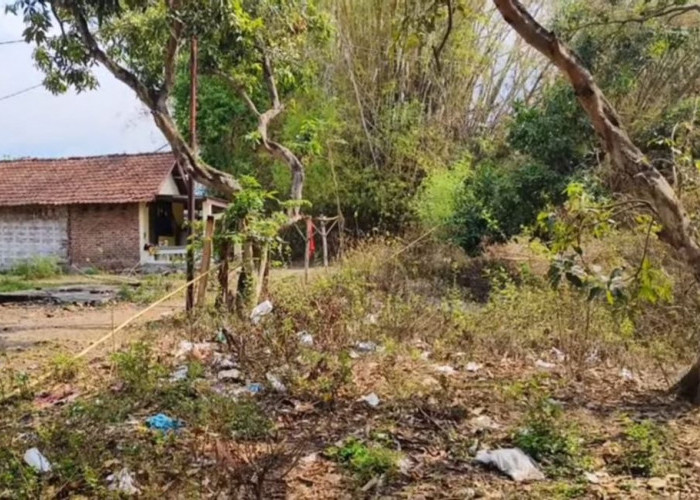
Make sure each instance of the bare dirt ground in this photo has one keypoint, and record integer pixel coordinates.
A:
(32, 334)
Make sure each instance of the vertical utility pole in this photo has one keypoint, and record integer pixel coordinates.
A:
(189, 304)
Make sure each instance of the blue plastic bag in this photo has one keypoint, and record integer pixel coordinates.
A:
(164, 423)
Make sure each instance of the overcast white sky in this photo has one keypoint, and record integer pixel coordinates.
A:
(107, 120)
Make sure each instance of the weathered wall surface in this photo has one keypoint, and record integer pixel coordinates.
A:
(27, 232)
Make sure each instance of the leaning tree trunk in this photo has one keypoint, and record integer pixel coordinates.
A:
(645, 180)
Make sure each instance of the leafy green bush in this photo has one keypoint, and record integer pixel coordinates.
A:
(37, 268)
(546, 437)
(137, 368)
(365, 461)
(642, 448)
(495, 202)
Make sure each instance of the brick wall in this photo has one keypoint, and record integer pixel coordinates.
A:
(104, 236)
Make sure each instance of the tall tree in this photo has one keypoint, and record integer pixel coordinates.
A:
(138, 42)
(645, 180)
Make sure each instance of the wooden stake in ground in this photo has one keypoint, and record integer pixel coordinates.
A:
(206, 260)
(189, 301)
(324, 239)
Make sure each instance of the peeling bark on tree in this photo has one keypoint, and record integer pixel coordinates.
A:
(645, 180)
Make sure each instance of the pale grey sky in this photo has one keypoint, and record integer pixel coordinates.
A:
(107, 120)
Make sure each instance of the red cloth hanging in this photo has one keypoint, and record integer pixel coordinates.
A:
(310, 230)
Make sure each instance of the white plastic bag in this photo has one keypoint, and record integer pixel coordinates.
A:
(262, 309)
(37, 461)
(513, 462)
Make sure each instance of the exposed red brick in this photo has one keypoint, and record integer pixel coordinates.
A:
(104, 236)
(97, 179)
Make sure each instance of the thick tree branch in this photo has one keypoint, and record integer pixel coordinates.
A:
(437, 51)
(646, 180)
(669, 13)
(171, 51)
(156, 103)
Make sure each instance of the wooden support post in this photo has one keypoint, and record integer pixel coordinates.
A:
(206, 260)
(189, 301)
(324, 239)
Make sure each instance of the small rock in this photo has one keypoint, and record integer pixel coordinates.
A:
(473, 367)
(231, 375)
(371, 399)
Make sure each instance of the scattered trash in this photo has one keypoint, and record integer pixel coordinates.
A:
(163, 423)
(179, 374)
(371, 319)
(276, 383)
(309, 459)
(591, 477)
(221, 335)
(626, 374)
(262, 309)
(305, 338)
(123, 482)
(366, 347)
(56, 397)
(405, 465)
(224, 362)
(37, 461)
(545, 365)
(199, 350)
(512, 462)
(255, 388)
(371, 399)
(445, 370)
(558, 354)
(473, 367)
(483, 423)
(425, 355)
(657, 483)
(232, 374)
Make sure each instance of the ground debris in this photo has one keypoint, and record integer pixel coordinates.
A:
(34, 458)
(512, 462)
(259, 311)
(123, 482)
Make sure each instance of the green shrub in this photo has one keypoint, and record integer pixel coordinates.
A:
(65, 367)
(137, 368)
(642, 448)
(13, 284)
(37, 268)
(496, 201)
(548, 439)
(365, 461)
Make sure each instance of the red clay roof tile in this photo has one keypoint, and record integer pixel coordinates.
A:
(97, 179)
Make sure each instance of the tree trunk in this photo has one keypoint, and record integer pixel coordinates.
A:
(645, 180)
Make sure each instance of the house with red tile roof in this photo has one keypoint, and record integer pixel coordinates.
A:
(107, 212)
